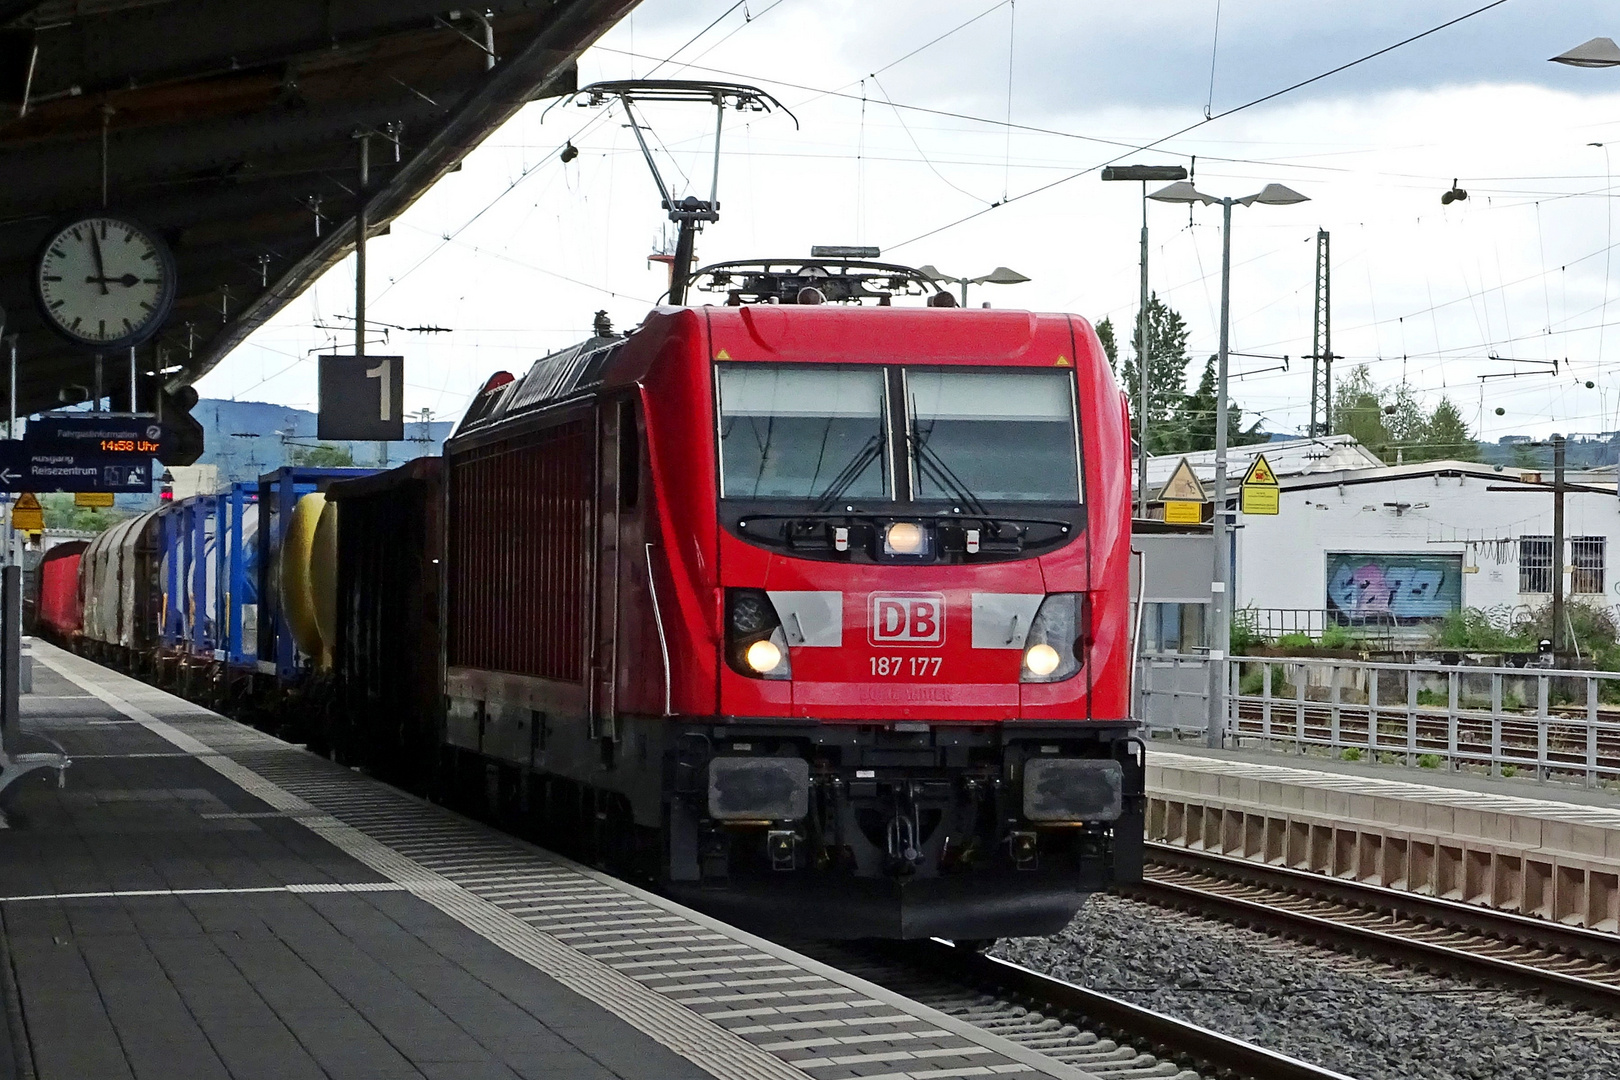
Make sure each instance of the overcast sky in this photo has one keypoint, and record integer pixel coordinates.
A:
(1440, 295)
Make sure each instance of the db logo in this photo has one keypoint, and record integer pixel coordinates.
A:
(908, 619)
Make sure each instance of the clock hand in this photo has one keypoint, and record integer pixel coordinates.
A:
(126, 280)
(101, 271)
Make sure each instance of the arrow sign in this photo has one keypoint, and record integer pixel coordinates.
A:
(24, 469)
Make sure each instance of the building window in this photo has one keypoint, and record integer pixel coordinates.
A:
(1535, 564)
(1587, 558)
(1174, 628)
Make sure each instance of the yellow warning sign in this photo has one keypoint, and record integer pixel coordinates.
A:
(1183, 485)
(26, 513)
(1183, 496)
(1260, 473)
(1258, 499)
(1181, 512)
(1260, 493)
(722, 355)
(1062, 361)
(96, 499)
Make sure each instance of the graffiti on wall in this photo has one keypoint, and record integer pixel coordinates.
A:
(1399, 586)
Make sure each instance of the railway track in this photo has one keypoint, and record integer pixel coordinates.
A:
(1578, 966)
(1094, 1032)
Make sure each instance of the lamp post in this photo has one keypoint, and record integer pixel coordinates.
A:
(999, 276)
(1143, 173)
(1221, 604)
(1600, 52)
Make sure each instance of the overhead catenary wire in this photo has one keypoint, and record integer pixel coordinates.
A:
(1200, 123)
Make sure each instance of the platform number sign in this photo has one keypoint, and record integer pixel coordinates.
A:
(362, 398)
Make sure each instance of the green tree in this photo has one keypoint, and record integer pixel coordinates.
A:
(1448, 434)
(323, 456)
(1193, 426)
(1391, 422)
(61, 513)
(1167, 373)
(1358, 410)
(1105, 334)
(1405, 420)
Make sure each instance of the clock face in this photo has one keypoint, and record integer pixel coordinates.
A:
(105, 282)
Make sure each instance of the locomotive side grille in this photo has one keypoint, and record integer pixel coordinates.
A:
(520, 541)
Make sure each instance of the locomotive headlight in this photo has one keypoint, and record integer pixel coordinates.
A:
(1055, 647)
(763, 656)
(1041, 659)
(904, 538)
(755, 643)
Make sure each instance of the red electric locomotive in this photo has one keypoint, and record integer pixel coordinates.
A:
(813, 612)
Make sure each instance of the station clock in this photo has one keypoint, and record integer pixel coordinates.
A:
(104, 281)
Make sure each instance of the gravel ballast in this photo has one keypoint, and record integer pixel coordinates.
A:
(1359, 1017)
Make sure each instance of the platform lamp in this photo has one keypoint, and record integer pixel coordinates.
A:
(999, 276)
(1143, 173)
(1220, 589)
(1600, 52)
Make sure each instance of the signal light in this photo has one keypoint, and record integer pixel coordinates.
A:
(569, 152)
(1456, 194)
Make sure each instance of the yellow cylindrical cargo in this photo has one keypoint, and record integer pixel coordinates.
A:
(323, 581)
(297, 595)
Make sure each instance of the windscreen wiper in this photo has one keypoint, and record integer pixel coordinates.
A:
(850, 473)
(929, 460)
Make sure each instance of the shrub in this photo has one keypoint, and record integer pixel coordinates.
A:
(1428, 761)
(1246, 631)
(1296, 640)
(1473, 630)
(1510, 770)
(1337, 637)
(1426, 696)
(1350, 753)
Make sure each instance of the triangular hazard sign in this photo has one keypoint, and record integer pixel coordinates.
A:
(27, 501)
(1260, 474)
(1183, 485)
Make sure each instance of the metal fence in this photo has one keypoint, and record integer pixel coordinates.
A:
(1547, 723)
(1373, 630)
(1173, 693)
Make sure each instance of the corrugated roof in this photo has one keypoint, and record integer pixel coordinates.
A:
(1287, 457)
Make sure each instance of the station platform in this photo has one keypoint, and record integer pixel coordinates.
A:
(1541, 849)
(202, 900)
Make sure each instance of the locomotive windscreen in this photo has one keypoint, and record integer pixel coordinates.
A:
(1001, 435)
(802, 432)
(821, 432)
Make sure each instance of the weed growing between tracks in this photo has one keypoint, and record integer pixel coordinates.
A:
(1360, 1017)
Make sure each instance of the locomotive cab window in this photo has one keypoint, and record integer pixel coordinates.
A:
(802, 432)
(993, 436)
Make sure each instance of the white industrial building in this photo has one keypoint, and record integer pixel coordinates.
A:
(1365, 543)
(1417, 541)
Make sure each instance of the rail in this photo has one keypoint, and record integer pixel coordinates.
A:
(1572, 964)
(1549, 723)
(1095, 1033)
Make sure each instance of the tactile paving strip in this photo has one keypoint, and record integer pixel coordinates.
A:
(735, 1005)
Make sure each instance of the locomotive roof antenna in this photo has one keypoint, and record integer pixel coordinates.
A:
(689, 213)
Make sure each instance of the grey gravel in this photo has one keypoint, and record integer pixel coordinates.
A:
(1360, 1017)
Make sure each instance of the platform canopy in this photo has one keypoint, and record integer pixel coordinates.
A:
(230, 127)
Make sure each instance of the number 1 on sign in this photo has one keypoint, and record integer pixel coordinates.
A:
(386, 403)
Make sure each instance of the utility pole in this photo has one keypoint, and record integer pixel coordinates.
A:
(1143, 173)
(1220, 608)
(1558, 546)
(1322, 357)
(361, 226)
